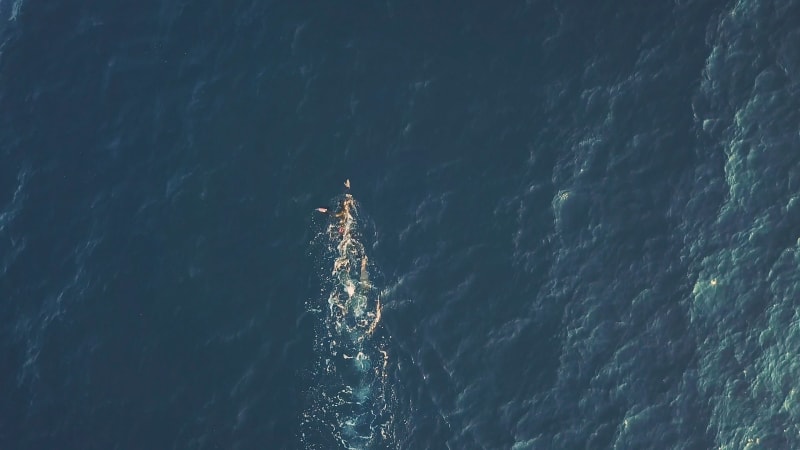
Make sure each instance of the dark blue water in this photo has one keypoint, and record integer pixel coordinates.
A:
(581, 221)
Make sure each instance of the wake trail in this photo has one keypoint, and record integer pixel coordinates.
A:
(349, 405)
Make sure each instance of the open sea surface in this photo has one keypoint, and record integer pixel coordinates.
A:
(571, 224)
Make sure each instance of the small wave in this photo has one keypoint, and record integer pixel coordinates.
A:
(15, 9)
(7, 216)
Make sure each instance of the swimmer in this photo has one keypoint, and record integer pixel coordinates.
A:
(344, 206)
(377, 318)
(364, 275)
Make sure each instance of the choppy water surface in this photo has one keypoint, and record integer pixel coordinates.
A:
(571, 225)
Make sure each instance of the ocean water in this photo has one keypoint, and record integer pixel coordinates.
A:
(578, 224)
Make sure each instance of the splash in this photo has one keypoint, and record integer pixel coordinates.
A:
(349, 404)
